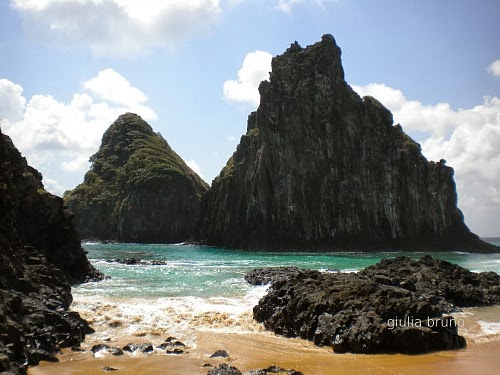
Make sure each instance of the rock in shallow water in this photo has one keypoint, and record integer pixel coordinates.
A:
(99, 347)
(273, 370)
(175, 351)
(394, 306)
(220, 354)
(137, 262)
(224, 369)
(263, 276)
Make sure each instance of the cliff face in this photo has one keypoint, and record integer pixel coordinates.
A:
(30, 216)
(137, 190)
(320, 167)
(40, 257)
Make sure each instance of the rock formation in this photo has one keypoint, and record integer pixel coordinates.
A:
(137, 190)
(320, 167)
(397, 305)
(40, 257)
(226, 369)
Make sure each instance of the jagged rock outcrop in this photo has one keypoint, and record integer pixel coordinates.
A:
(40, 257)
(320, 167)
(138, 189)
(264, 276)
(397, 305)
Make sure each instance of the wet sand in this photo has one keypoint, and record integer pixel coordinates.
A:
(253, 348)
(254, 351)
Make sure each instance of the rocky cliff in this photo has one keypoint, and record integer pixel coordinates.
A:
(137, 190)
(40, 257)
(320, 167)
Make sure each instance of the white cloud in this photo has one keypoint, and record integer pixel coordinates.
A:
(255, 69)
(286, 6)
(195, 167)
(77, 164)
(112, 87)
(231, 138)
(494, 68)
(53, 186)
(12, 102)
(468, 139)
(58, 138)
(439, 119)
(117, 27)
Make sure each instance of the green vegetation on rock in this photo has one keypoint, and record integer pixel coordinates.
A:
(138, 189)
(228, 170)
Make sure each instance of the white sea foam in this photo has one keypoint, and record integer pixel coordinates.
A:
(490, 328)
(481, 323)
(168, 316)
(351, 270)
(91, 243)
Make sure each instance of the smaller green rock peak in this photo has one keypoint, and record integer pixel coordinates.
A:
(137, 189)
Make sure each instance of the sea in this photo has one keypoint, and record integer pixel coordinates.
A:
(203, 288)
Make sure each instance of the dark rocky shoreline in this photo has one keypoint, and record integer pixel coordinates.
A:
(399, 305)
(40, 258)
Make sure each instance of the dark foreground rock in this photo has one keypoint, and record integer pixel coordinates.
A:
(40, 257)
(273, 370)
(263, 276)
(137, 190)
(226, 369)
(398, 305)
(448, 284)
(220, 354)
(170, 346)
(321, 168)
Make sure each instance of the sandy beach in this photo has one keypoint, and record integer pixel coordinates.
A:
(260, 350)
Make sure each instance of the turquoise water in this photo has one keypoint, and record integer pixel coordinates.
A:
(209, 272)
(203, 288)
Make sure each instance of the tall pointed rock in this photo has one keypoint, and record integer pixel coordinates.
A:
(138, 189)
(322, 168)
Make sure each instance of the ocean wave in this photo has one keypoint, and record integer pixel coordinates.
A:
(152, 318)
(91, 243)
(479, 324)
(490, 328)
(169, 316)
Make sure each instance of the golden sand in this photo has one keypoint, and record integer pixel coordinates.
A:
(260, 350)
(253, 348)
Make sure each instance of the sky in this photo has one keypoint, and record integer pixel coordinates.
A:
(191, 68)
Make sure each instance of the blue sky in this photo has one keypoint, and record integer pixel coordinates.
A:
(191, 68)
